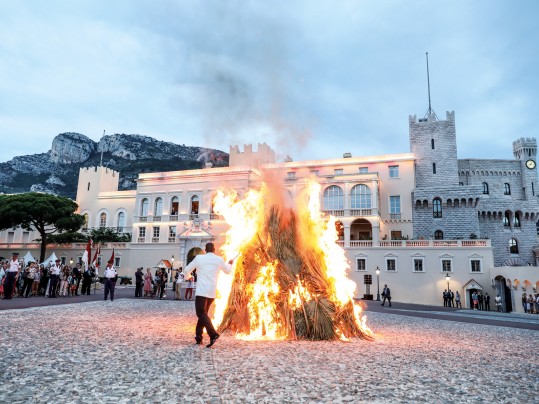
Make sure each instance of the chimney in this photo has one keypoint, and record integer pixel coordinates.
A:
(347, 155)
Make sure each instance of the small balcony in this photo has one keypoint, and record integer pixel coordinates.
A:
(155, 239)
(141, 240)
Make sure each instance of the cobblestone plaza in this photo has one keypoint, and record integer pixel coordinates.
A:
(143, 351)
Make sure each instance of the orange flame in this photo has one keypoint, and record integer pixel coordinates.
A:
(246, 220)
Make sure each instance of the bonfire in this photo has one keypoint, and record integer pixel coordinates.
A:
(290, 279)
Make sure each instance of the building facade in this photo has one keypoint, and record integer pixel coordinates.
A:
(417, 217)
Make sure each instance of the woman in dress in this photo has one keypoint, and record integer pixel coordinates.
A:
(148, 283)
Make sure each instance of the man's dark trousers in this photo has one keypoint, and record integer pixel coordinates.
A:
(109, 287)
(138, 289)
(202, 305)
(53, 285)
(9, 283)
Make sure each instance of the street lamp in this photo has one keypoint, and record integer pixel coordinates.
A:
(447, 278)
(378, 284)
(171, 268)
(71, 261)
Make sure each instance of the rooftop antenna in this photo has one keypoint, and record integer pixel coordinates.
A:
(101, 162)
(430, 112)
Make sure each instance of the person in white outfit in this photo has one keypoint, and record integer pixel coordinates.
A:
(208, 266)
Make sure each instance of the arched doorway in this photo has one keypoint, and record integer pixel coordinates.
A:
(192, 253)
(361, 229)
(469, 288)
(504, 290)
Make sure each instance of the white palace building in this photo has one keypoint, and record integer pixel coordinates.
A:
(417, 216)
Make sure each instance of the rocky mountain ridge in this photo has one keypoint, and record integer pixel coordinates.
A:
(57, 170)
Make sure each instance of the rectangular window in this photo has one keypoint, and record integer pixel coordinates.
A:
(418, 265)
(446, 265)
(391, 264)
(63, 260)
(291, 175)
(361, 264)
(395, 207)
(316, 173)
(172, 231)
(117, 262)
(142, 231)
(476, 265)
(156, 231)
(393, 171)
(363, 170)
(434, 168)
(396, 235)
(339, 171)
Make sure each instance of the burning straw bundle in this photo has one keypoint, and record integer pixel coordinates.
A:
(297, 295)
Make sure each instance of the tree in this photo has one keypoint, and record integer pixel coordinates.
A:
(47, 214)
(108, 235)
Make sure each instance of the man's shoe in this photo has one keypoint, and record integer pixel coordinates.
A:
(212, 340)
(198, 341)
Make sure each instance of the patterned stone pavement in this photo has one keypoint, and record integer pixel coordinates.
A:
(132, 351)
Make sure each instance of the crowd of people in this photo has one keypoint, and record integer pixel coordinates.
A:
(52, 280)
(154, 285)
(530, 303)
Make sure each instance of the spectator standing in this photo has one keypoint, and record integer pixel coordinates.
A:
(189, 289)
(77, 275)
(55, 274)
(163, 280)
(28, 280)
(148, 283)
(386, 294)
(3, 268)
(498, 302)
(44, 282)
(179, 281)
(480, 299)
(139, 281)
(87, 276)
(451, 298)
(457, 300)
(12, 275)
(37, 278)
(475, 302)
(110, 280)
(63, 279)
(487, 302)
(444, 296)
(524, 303)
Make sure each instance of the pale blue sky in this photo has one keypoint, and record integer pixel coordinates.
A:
(313, 79)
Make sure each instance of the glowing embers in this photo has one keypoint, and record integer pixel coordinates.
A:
(290, 281)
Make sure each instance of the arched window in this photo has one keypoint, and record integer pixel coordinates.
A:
(360, 197)
(103, 220)
(438, 235)
(432, 144)
(506, 220)
(333, 198)
(437, 207)
(485, 188)
(121, 222)
(158, 207)
(86, 220)
(194, 204)
(516, 220)
(174, 205)
(144, 207)
(513, 246)
(506, 189)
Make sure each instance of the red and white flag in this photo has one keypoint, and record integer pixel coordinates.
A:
(95, 262)
(111, 260)
(87, 254)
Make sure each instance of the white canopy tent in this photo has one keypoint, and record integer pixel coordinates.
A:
(28, 258)
(50, 260)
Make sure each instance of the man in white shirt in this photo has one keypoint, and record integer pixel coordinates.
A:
(12, 275)
(207, 266)
(110, 280)
(55, 274)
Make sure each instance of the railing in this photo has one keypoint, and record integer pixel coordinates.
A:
(395, 216)
(336, 213)
(360, 244)
(143, 219)
(474, 243)
(340, 242)
(214, 216)
(173, 218)
(193, 216)
(157, 218)
(360, 212)
(172, 239)
(155, 239)
(141, 240)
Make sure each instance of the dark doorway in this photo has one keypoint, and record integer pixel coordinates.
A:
(507, 296)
